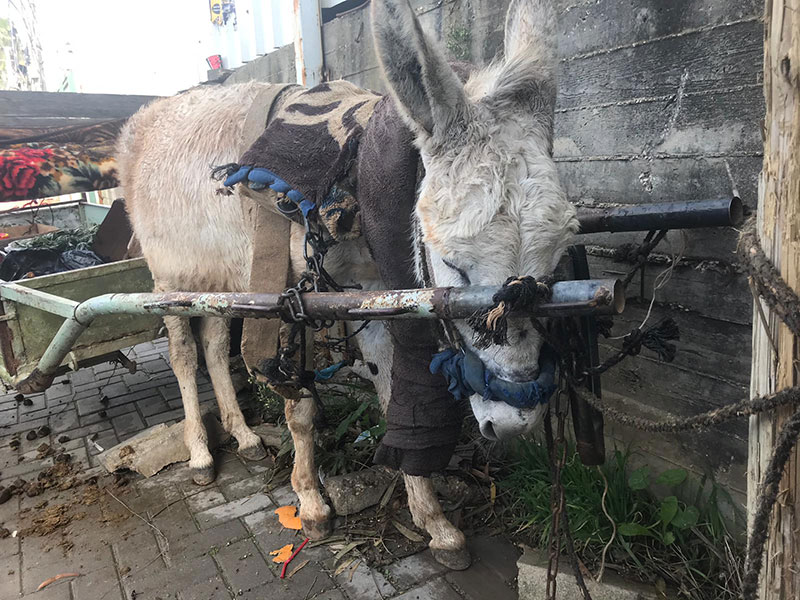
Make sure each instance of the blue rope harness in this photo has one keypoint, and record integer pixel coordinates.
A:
(467, 375)
(258, 178)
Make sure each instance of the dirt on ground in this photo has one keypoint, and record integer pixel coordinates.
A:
(66, 491)
(386, 532)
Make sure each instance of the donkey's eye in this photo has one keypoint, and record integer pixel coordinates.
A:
(461, 272)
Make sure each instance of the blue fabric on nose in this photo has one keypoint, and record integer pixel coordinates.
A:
(466, 375)
(450, 363)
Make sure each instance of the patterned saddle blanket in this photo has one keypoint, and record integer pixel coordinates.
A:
(307, 153)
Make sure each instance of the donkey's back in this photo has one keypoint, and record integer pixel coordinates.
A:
(191, 236)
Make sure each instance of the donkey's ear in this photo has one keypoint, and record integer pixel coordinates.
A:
(528, 76)
(429, 94)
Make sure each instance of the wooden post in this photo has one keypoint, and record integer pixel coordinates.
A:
(775, 350)
(308, 54)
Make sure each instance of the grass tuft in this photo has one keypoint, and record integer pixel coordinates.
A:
(663, 541)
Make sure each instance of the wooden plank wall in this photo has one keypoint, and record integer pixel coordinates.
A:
(26, 110)
(657, 101)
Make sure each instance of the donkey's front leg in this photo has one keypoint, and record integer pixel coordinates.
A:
(314, 513)
(448, 545)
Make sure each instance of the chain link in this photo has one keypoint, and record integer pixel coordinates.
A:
(315, 278)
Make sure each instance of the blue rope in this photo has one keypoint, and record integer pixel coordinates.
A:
(258, 178)
(328, 372)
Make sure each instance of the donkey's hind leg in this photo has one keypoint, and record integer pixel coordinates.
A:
(183, 356)
(216, 338)
(448, 545)
(314, 513)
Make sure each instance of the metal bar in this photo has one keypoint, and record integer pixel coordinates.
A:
(42, 376)
(662, 215)
(63, 307)
(596, 296)
(605, 296)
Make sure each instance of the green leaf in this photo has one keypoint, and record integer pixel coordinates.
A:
(640, 478)
(373, 433)
(686, 518)
(668, 538)
(672, 477)
(411, 535)
(631, 529)
(342, 428)
(669, 508)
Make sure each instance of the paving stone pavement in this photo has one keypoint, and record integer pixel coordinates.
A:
(190, 543)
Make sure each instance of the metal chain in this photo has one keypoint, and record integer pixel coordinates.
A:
(314, 279)
(557, 449)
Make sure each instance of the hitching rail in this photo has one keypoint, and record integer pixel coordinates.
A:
(662, 215)
(594, 296)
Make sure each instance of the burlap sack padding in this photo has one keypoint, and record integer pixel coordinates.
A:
(270, 234)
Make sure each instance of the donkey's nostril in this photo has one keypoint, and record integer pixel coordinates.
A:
(487, 431)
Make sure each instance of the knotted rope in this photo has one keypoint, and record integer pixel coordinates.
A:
(656, 338)
(517, 293)
(785, 303)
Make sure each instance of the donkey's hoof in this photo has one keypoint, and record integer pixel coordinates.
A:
(204, 475)
(317, 530)
(256, 452)
(456, 560)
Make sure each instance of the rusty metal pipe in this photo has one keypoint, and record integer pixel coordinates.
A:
(604, 296)
(662, 215)
(596, 296)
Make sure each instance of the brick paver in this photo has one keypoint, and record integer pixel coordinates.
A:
(190, 543)
(437, 589)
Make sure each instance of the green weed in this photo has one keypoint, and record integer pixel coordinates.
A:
(664, 541)
(353, 424)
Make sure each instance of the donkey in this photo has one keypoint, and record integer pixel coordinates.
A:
(489, 207)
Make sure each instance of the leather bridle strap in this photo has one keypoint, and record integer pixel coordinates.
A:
(449, 330)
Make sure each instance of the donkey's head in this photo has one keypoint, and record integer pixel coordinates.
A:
(490, 205)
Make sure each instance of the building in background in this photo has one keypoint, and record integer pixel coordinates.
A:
(240, 31)
(21, 64)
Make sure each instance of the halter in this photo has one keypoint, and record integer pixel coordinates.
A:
(467, 375)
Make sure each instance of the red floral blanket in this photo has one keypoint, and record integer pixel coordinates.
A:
(31, 171)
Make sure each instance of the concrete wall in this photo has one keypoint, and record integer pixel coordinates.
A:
(277, 67)
(657, 101)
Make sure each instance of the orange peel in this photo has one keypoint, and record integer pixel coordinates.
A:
(282, 554)
(287, 515)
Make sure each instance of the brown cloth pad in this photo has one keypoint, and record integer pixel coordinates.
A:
(423, 418)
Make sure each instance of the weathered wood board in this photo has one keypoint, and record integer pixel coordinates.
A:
(36, 110)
